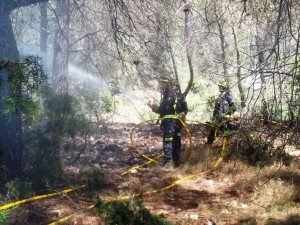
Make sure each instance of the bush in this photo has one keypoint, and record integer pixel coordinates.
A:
(4, 215)
(62, 118)
(17, 189)
(96, 177)
(256, 148)
(129, 212)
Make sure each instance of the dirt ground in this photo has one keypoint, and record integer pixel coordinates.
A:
(198, 192)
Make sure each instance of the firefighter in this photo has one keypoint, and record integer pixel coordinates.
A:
(169, 119)
(223, 110)
(181, 109)
(181, 104)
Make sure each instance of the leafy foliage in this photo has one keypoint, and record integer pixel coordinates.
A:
(98, 106)
(65, 115)
(61, 118)
(4, 215)
(96, 177)
(255, 148)
(129, 212)
(26, 79)
(18, 189)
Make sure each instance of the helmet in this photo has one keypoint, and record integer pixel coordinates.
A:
(223, 85)
(164, 79)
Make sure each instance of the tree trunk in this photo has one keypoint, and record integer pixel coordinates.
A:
(188, 51)
(223, 46)
(172, 56)
(61, 48)
(44, 33)
(10, 130)
(260, 66)
(238, 72)
(43, 27)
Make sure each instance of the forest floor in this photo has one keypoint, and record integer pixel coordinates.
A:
(230, 193)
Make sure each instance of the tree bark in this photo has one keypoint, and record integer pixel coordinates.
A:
(8, 45)
(61, 48)
(260, 68)
(238, 72)
(188, 51)
(10, 5)
(222, 46)
(43, 27)
(10, 129)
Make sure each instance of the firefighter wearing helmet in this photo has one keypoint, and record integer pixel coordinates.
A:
(169, 122)
(223, 110)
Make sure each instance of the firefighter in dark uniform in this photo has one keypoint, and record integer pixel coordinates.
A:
(223, 110)
(169, 122)
(181, 109)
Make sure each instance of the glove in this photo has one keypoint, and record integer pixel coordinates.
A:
(153, 106)
(236, 115)
(226, 116)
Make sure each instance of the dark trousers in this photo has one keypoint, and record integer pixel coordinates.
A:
(171, 141)
(223, 127)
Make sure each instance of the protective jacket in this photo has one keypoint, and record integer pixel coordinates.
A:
(166, 107)
(170, 126)
(224, 106)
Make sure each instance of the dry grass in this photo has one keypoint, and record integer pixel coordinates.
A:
(234, 193)
(258, 196)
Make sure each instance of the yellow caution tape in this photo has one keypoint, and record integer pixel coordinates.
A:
(134, 146)
(138, 166)
(39, 197)
(148, 158)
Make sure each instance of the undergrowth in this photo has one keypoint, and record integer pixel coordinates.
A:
(128, 212)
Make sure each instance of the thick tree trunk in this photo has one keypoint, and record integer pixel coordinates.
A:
(10, 130)
(8, 46)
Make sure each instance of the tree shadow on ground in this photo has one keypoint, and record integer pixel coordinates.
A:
(291, 220)
(288, 176)
(186, 199)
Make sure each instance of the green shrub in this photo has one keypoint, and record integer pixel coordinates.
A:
(17, 189)
(4, 215)
(290, 220)
(96, 177)
(254, 148)
(27, 78)
(129, 212)
(62, 118)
